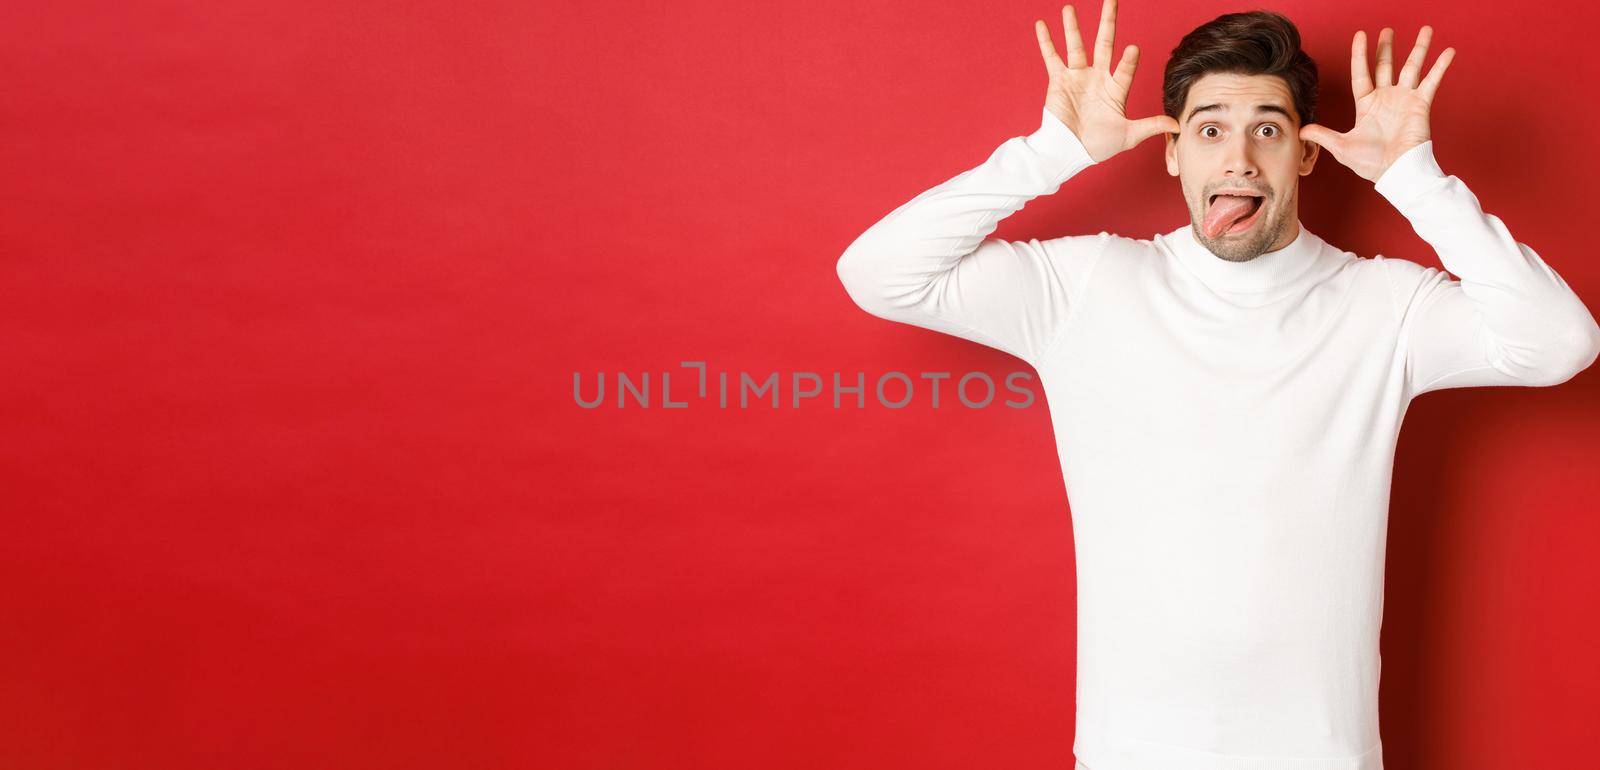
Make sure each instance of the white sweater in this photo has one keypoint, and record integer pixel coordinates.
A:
(1226, 433)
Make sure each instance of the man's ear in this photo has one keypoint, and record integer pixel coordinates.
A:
(1308, 157)
(1172, 154)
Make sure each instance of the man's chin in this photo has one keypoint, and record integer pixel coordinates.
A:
(1241, 246)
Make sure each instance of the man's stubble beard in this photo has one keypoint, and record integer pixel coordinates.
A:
(1273, 223)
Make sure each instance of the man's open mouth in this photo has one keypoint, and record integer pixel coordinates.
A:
(1231, 212)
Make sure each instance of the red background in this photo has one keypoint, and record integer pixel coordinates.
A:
(293, 475)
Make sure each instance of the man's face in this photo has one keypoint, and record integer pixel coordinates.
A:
(1240, 134)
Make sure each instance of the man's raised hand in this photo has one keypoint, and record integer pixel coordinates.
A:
(1391, 117)
(1089, 98)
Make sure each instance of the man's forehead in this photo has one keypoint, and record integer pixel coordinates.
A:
(1234, 93)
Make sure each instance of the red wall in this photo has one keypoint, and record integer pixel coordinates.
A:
(293, 476)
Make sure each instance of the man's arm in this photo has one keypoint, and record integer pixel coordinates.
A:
(928, 264)
(1509, 320)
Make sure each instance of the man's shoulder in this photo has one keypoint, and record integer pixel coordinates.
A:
(1392, 269)
(1401, 274)
(1403, 279)
(1116, 259)
(1099, 242)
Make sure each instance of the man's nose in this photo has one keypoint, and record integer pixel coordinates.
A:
(1239, 159)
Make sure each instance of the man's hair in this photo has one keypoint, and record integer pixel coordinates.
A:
(1249, 43)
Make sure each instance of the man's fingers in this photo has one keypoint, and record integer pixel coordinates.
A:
(1412, 71)
(1383, 74)
(1430, 84)
(1108, 31)
(1123, 77)
(1360, 78)
(1069, 20)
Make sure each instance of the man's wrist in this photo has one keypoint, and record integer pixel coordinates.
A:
(1054, 140)
(1411, 176)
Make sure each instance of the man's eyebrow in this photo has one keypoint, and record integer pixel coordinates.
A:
(1223, 108)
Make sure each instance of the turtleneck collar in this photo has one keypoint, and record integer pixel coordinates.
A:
(1271, 270)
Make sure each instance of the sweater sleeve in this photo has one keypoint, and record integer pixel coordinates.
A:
(928, 263)
(1508, 320)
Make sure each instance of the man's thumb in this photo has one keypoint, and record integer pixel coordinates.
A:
(1325, 137)
(1144, 128)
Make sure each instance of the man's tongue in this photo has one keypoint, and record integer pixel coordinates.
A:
(1225, 211)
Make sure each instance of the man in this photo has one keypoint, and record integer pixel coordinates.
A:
(1227, 396)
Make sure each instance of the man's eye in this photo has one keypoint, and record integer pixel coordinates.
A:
(1270, 130)
(1210, 132)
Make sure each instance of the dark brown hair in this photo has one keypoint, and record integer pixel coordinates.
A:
(1248, 43)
